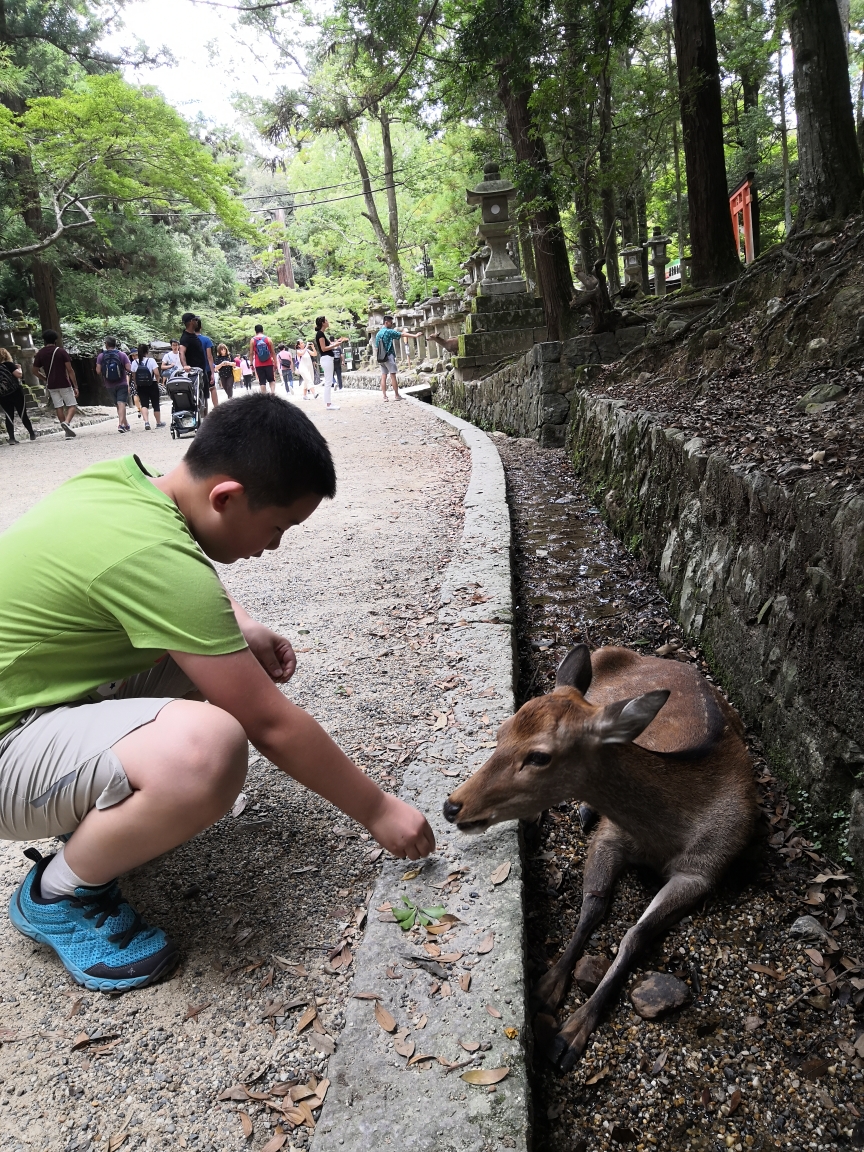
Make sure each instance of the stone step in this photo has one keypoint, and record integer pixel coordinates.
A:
(498, 344)
(504, 319)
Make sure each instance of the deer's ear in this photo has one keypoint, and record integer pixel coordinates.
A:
(623, 721)
(574, 671)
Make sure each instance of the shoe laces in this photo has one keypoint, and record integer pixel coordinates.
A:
(105, 904)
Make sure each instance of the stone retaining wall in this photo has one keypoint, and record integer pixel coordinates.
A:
(532, 395)
(769, 580)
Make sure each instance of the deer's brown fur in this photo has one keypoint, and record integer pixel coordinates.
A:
(675, 793)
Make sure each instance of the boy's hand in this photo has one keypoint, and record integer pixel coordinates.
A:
(272, 651)
(401, 829)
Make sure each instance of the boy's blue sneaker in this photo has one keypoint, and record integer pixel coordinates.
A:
(102, 941)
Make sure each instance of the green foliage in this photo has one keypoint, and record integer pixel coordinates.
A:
(408, 914)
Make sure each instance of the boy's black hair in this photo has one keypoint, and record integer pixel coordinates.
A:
(186, 317)
(50, 336)
(267, 445)
(388, 319)
(259, 327)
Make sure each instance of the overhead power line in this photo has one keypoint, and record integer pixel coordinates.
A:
(285, 207)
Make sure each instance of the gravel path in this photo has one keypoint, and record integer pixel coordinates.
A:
(770, 1052)
(268, 905)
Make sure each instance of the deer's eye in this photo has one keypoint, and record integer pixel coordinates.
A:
(541, 759)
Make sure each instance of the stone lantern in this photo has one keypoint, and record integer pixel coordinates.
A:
(632, 258)
(686, 271)
(659, 260)
(493, 195)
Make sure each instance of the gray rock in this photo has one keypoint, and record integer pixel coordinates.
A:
(658, 994)
(675, 326)
(821, 393)
(817, 346)
(849, 302)
(712, 338)
(773, 306)
(809, 929)
(821, 247)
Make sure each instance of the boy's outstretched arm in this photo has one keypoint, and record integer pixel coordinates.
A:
(297, 744)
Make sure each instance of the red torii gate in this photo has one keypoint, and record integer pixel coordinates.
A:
(740, 206)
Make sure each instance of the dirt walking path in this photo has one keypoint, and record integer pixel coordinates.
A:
(267, 905)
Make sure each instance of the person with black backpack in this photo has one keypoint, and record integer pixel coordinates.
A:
(114, 367)
(145, 373)
(12, 398)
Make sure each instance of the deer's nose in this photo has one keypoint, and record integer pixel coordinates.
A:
(451, 810)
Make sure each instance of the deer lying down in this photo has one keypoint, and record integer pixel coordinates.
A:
(659, 753)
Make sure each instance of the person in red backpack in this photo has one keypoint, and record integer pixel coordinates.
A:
(263, 358)
(114, 367)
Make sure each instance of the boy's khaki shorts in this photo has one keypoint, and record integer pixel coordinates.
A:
(57, 763)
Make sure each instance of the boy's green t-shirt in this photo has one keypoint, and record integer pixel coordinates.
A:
(97, 582)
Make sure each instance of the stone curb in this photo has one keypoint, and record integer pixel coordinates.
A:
(54, 430)
(375, 1100)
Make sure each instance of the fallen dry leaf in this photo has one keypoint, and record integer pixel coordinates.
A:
(432, 949)
(300, 1092)
(493, 1011)
(450, 957)
(76, 1007)
(235, 1092)
(422, 1022)
(814, 1068)
(367, 996)
(419, 1058)
(306, 1112)
(660, 1062)
(325, 1043)
(247, 1125)
(411, 874)
(469, 1045)
(485, 1075)
(240, 807)
(114, 1142)
(450, 771)
(80, 1041)
(766, 970)
(385, 1019)
(511, 1033)
(392, 974)
(501, 873)
(275, 1143)
(486, 944)
(306, 1019)
(734, 1100)
(372, 855)
(296, 969)
(814, 956)
(601, 1075)
(446, 990)
(193, 1010)
(465, 981)
(404, 1047)
(751, 1023)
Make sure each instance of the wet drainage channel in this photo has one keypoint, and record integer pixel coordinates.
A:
(715, 1075)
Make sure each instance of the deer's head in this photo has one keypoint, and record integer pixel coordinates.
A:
(542, 749)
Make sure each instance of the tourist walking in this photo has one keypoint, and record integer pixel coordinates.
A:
(286, 366)
(337, 365)
(305, 368)
(53, 364)
(225, 369)
(210, 366)
(325, 348)
(114, 367)
(12, 398)
(191, 350)
(245, 368)
(171, 361)
(385, 353)
(145, 374)
(263, 358)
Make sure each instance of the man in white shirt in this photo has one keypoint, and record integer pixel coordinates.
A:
(171, 360)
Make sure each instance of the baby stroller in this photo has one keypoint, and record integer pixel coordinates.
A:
(188, 401)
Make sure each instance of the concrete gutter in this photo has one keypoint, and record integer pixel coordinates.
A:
(375, 1100)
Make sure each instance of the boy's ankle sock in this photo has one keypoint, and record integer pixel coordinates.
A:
(58, 879)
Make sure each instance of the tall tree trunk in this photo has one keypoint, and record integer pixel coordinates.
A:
(554, 277)
(830, 177)
(859, 113)
(784, 140)
(715, 258)
(676, 148)
(607, 185)
(642, 219)
(387, 241)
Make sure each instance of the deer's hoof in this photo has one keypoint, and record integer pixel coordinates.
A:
(571, 1041)
(587, 817)
(549, 993)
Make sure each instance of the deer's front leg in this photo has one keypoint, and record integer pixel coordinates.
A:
(677, 897)
(607, 858)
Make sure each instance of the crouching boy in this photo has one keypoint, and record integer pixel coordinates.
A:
(98, 738)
